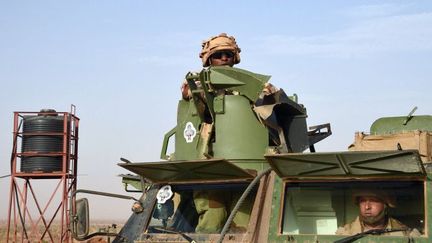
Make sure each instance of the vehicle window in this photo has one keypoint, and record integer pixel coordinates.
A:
(202, 209)
(323, 208)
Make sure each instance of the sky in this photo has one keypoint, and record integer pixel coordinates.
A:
(121, 64)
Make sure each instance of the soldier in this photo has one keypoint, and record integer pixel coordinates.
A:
(373, 214)
(220, 50)
(213, 206)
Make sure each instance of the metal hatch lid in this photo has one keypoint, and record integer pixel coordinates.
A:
(190, 171)
(243, 81)
(348, 164)
(389, 125)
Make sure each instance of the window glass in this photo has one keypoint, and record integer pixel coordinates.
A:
(202, 209)
(322, 208)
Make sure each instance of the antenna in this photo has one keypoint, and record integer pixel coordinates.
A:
(410, 115)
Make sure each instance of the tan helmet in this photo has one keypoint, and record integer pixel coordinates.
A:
(382, 195)
(218, 43)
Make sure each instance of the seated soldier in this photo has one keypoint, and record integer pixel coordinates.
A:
(373, 215)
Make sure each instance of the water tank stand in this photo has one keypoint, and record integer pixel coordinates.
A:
(39, 200)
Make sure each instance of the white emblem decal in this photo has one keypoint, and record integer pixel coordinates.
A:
(164, 194)
(189, 132)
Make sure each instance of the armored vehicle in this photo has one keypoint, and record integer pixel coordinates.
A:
(237, 172)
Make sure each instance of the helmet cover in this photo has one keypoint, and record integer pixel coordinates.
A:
(382, 195)
(218, 43)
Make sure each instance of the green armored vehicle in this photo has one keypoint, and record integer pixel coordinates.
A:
(237, 173)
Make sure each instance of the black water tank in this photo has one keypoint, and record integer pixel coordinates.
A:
(43, 123)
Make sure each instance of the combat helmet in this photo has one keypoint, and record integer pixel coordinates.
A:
(218, 43)
(382, 195)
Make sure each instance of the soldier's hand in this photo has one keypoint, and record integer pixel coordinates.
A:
(185, 91)
(269, 89)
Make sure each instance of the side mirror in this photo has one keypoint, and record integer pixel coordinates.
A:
(81, 222)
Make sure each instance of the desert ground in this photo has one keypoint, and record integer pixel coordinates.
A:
(98, 225)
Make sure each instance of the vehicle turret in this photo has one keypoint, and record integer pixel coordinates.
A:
(228, 117)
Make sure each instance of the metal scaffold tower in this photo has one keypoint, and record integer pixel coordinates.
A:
(44, 163)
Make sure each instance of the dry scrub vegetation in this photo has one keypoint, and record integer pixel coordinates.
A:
(101, 225)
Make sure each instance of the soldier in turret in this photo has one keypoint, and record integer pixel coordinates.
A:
(221, 50)
(212, 206)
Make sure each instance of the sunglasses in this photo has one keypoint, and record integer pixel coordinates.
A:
(220, 54)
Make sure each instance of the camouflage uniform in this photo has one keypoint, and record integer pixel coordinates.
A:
(211, 210)
(212, 207)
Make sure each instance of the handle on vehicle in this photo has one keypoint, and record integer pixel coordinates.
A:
(165, 142)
